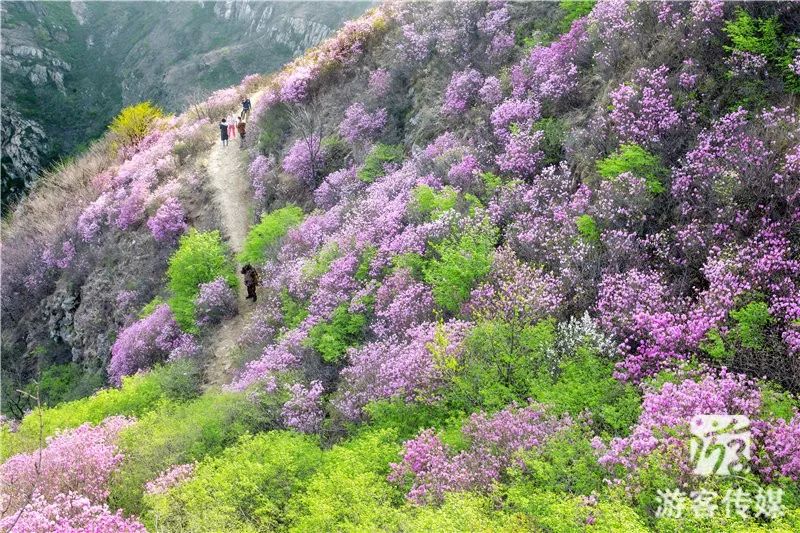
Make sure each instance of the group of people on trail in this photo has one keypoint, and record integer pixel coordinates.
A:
(230, 125)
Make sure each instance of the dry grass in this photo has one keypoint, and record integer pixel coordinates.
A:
(58, 195)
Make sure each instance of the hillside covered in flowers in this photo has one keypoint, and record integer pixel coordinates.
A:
(508, 252)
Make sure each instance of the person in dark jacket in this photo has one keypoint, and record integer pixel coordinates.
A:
(250, 281)
(223, 132)
(246, 108)
(240, 127)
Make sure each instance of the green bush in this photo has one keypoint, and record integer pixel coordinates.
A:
(465, 511)
(267, 233)
(585, 381)
(246, 488)
(350, 491)
(752, 321)
(587, 228)
(460, 263)
(274, 127)
(499, 364)
(151, 306)
(133, 123)
(428, 204)
(639, 162)
(573, 10)
(332, 338)
(138, 395)
(380, 155)
(65, 383)
(336, 152)
(200, 258)
(553, 141)
(177, 433)
(293, 312)
(753, 35)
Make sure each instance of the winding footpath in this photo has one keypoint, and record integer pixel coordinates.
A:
(227, 170)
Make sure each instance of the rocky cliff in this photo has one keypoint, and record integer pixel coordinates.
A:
(68, 67)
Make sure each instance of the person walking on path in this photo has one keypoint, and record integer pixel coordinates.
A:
(245, 109)
(223, 132)
(241, 127)
(250, 281)
(231, 128)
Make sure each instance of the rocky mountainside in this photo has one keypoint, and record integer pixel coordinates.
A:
(68, 67)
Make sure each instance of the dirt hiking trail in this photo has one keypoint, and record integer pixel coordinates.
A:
(227, 170)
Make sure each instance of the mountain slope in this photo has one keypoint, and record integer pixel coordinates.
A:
(517, 261)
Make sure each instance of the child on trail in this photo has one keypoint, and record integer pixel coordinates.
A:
(231, 128)
(250, 281)
(241, 127)
(223, 132)
(245, 108)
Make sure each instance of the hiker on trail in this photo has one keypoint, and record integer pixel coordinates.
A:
(241, 127)
(223, 132)
(231, 128)
(250, 281)
(245, 109)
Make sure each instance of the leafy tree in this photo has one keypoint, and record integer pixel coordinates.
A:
(200, 258)
(268, 232)
(133, 123)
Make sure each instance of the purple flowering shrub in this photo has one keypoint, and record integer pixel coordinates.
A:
(461, 92)
(303, 411)
(304, 159)
(216, 301)
(168, 222)
(433, 469)
(359, 125)
(144, 343)
(644, 110)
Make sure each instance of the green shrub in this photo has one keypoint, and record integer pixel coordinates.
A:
(138, 395)
(752, 321)
(499, 364)
(460, 263)
(491, 183)
(177, 433)
(553, 141)
(200, 258)
(587, 228)
(293, 312)
(753, 35)
(428, 204)
(267, 233)
(585, 381)
(332, 338)
(133, 123)
(566, 463)
(350, 491)
(380, 155)
(573, 10)
(414, 262)
(246, 488)
(64, 383)
(638, 161)
(465, 511)
(336, 152)
(274, 127)
(365, 263)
